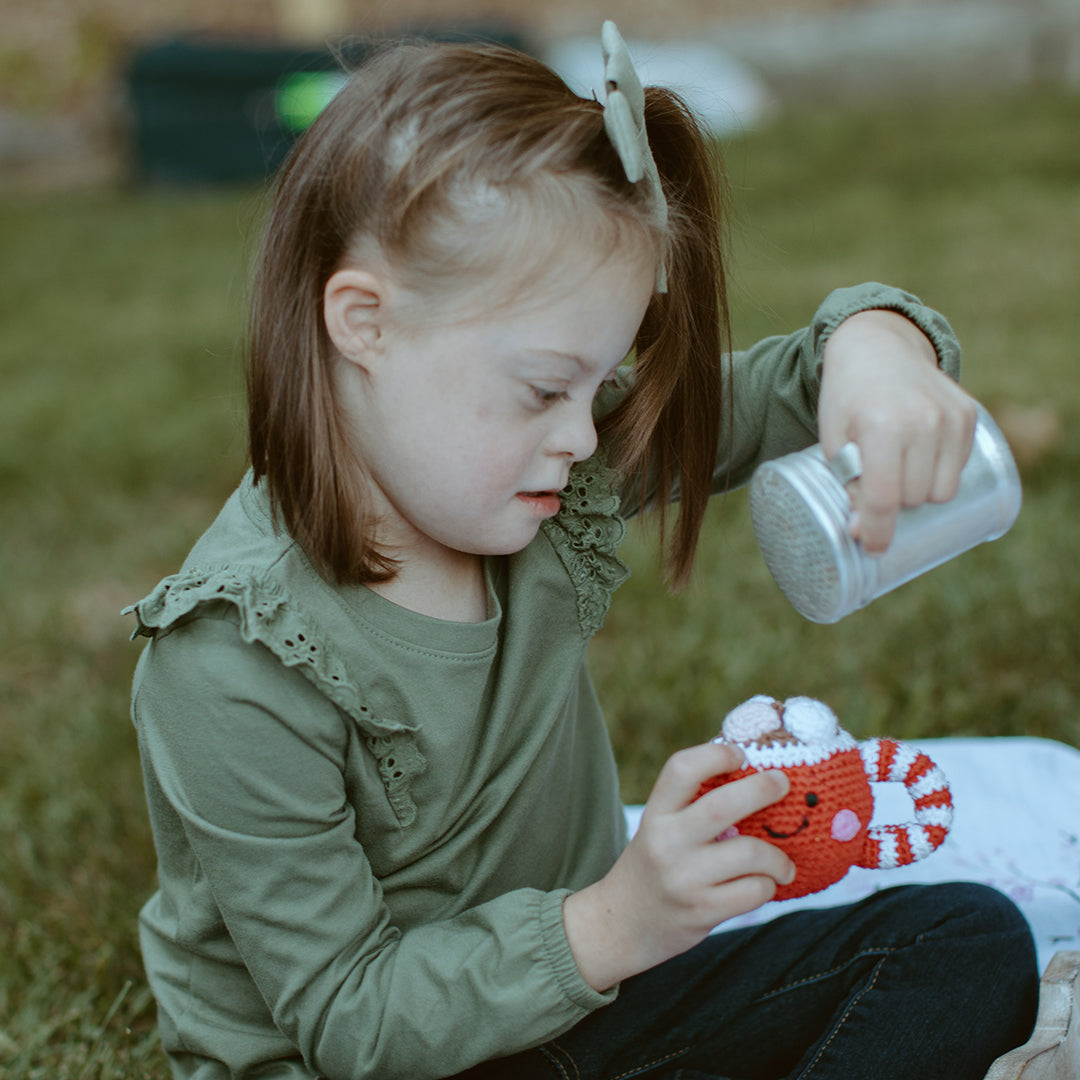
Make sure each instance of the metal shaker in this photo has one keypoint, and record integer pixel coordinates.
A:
(801, 514)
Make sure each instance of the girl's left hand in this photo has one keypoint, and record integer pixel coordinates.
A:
(882, 389)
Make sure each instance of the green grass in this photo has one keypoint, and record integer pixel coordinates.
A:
(976, 209)
(120, 433)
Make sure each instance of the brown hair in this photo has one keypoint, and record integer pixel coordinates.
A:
(394, 164)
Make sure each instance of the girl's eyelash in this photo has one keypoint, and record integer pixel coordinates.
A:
(548, 397)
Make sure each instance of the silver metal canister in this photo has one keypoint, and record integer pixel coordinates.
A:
(801, 514)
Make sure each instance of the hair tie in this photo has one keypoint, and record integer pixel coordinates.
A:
(624, 121)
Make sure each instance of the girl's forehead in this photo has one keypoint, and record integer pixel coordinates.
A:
(584, 308)
(517, 277)
(580, 281)
(570, 266)
(500, 246)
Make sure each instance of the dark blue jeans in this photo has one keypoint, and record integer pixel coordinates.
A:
(916, 982)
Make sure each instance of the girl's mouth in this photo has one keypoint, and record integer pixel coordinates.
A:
(543, 503)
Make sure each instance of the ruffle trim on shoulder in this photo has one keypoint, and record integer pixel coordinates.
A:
(266, 616)
(586, 534)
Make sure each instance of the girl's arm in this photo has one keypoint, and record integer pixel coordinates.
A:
(773, 390)
(884, 368)
(271, 919)
(673, 884)
(776, 386)
(883, 390)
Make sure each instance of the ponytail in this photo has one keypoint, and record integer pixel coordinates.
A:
(667, 429)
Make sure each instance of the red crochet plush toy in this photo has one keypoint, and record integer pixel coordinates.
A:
(823, 823)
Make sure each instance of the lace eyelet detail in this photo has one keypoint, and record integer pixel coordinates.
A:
(586, 534)
(267, 615)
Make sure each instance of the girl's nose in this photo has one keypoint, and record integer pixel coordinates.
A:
(576, 433)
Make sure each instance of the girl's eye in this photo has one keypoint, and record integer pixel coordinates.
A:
(548, 397)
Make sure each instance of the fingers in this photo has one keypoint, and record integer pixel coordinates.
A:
(748, 865)
(918, 468)
(689, 863)
(882, 389)
(675, 881)
(909, 459)
(706, 818)
(719, 809)
(747, 893)
(684, 772)
(690, 826)
(957, 440)
(876, 495)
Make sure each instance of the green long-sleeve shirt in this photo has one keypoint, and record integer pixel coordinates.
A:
(367, 819)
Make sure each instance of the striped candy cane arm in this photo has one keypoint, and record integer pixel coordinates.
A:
(888, 846)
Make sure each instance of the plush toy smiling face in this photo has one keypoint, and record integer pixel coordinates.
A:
(821, 823)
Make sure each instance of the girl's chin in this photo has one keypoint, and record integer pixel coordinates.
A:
(505, 530)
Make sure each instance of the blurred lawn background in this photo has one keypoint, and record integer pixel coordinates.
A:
(121, 433)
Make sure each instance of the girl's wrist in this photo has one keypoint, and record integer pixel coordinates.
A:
(597, 934)
(862, 330)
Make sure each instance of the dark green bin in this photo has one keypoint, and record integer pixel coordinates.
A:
(206, 111)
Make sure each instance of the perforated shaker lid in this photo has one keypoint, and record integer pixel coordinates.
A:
(799, 513)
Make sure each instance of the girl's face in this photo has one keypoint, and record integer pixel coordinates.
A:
(468, 428)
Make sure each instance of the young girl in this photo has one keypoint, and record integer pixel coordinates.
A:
(385, 806)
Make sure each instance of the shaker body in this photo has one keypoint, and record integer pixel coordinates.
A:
(801, 515)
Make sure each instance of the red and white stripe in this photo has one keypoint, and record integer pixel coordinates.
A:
(888, 846)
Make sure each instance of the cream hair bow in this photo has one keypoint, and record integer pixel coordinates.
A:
(624, 121)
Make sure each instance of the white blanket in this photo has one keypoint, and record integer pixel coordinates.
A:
(1016, 827)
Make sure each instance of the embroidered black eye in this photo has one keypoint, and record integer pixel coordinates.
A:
(811, 799)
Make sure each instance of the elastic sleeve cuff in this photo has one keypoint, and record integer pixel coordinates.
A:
(841, 303)
(561, 959)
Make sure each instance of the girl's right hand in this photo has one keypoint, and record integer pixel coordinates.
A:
(674, 883)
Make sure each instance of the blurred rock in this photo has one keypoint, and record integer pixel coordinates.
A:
(727, 94)
(56, 151)
(1032, 431)
(929, 47)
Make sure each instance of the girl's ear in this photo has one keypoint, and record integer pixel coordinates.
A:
(354, 309)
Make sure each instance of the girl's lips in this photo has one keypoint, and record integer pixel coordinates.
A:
(542, 503)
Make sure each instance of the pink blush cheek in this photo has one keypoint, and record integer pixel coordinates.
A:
(845, 826)
(729, 833)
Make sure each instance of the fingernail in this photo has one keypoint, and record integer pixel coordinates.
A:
(790, 876)
(734, 747)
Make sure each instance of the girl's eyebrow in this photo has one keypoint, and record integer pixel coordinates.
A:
(573, 357)
(581, 363)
